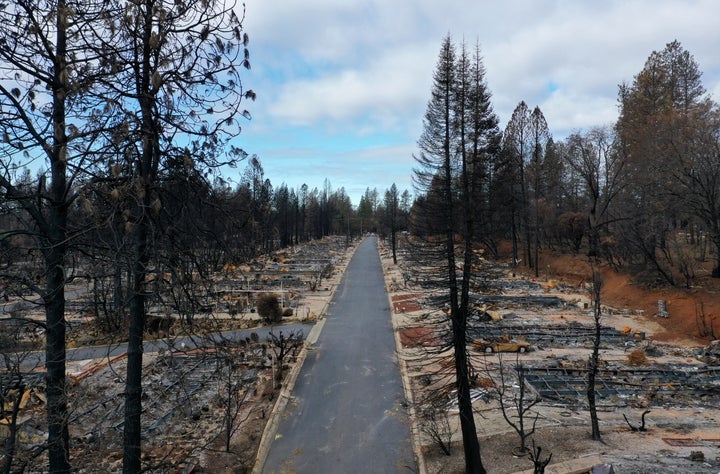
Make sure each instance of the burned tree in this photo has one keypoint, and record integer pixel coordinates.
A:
(515, 411)
(705, 323)
(12, 388)
(667, 129)
(232, 393)
(435, 424)
(177, 74)
(282, 346)
(594, 361)
(391, 217)
(539, 464)
(642, 427)
(517, 149)
(459, 130)
(600, 168)
(44, 98)
(16, 347)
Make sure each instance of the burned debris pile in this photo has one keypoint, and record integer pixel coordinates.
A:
(529, 343)
(211, 371)
(699, 386)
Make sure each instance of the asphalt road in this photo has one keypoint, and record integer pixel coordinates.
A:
(36, 359)
(347, 414)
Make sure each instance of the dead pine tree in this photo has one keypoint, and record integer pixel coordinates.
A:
(168, 60)
(595, 356)
(41, 60)
(459, 132)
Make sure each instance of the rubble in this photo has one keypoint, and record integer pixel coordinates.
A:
(618, 386)
(678, 384)
(188, 389)
(710, 354)
(565, 335)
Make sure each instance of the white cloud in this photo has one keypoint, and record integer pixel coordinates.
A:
(363, 60)
(382, 92)
(355, 68)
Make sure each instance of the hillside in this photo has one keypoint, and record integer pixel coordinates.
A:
(622, 291)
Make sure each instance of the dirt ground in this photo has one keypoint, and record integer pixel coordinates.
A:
(675, 432)
(621, 292)
(187, 393)
(681, 436)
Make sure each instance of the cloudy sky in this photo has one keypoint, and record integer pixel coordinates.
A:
(342, 85)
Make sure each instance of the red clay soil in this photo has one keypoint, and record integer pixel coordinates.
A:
(417, 336)
(405, 303)
(406, 296)
(406, 307)
(621, 292)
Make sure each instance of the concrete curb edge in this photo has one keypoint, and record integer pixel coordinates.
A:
(402, 365)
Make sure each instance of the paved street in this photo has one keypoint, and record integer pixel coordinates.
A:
(37, 359)
(346, 414)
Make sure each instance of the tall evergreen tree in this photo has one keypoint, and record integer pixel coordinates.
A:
(45, 67)
(540, 134)
(482, 147)
(663, 126)
(517, 148)
(457, 127)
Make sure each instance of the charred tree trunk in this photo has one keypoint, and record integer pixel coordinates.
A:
(537, 241)
(57, 413)
(118, 310)
(393, 240)
(54, 299)
(471, 445)
(595, 357)
(133, 383)
(525, 216)
(716, 267)
(539, 464)
(459, 310)
(11, 440)
(514, 236)
(145, 171)
(448, 210)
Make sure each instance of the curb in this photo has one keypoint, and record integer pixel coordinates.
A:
(402, 365)
(273, 423)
